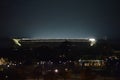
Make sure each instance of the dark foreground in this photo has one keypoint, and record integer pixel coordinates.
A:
(23, 73)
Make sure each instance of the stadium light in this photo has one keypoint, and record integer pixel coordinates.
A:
(17, 42)
(92, 40)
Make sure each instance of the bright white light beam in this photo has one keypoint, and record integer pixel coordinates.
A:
(93, 41)
(17, 42)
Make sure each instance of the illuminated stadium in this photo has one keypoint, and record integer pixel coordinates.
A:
(41, 42)
(55, 47)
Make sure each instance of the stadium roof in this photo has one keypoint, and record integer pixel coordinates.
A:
(19, 41)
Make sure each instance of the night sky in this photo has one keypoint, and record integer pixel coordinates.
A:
(59, 18)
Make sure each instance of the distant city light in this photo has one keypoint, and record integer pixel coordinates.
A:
(66, 69)
(8, 66)
(37, 63)
(56, 70)
(6, 76)
(2, 61)
(79, 60)
(20, 63)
